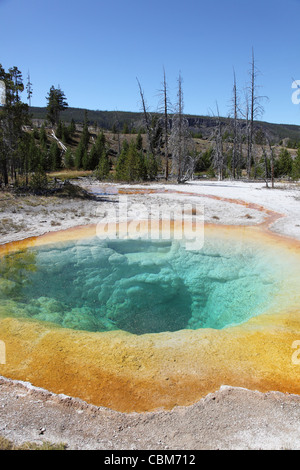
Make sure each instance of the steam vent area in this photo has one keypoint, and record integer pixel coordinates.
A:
(145, 323)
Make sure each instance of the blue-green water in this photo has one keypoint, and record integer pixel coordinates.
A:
(139, 286)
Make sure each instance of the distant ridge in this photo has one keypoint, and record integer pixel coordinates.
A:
(134, 120)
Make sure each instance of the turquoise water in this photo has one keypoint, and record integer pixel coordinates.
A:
(139, 286)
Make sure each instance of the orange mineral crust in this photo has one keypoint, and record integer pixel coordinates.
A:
(127, 372)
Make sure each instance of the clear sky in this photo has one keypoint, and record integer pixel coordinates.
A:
(94, 50)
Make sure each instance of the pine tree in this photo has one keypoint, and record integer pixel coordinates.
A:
(143, 173)
(93, 158)
(55, 157)
(69, 159)
(39, 180)
(13, 115)
(79, 155)
(103, 168)
(59, 130)
(139, 141)
(152, 167)
(43, 135)
(56, 103)
(121, 166)
(125, 128)
(85, 137)
(296, 166)
(34, 157)
(72, 128)
(29, 89)
(284, 164)
(85, 160)
(133, 163)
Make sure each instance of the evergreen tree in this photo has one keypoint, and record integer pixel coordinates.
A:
(45, 157)
(24, 154)
(133, 163)
(29, 89)
(284, 164)
(34, 157)
(13, 115)
(93, 158)
(85, 137)
(97, 151)
(79, 155)
(204, 161)
(69, 159)
(103, 168)
(139, 141)
(56, 103)
(59, 130)
(143, 173)
(72, 128)
(39, 180)
(55, 157)
(121, 166)
(65, 134)
(296, 166)
(85, 160)
(125, 128)
(43, 135)
(152, 166)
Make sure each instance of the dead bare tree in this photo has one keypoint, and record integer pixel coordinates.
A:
(254, 110)
(153, 128)
(164, 107)
(235, 161)
(181, 142)
(218, 152)
(272, 160)
(147, 119)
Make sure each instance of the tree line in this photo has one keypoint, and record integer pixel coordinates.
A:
(238, 147)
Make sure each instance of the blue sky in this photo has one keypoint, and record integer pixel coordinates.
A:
(94, 50)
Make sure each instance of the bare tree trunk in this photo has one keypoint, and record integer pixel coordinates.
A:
(166, 128)
(147, 120)
(218, 160)
(181, 144)
(256, 109)
(272, 162)
(235, 130)
(253, 84)
(180, 109)
(266, 165)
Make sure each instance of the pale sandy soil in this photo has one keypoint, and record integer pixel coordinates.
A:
(231, 418)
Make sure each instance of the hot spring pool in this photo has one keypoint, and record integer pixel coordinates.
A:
(140, 286)
(136, 325)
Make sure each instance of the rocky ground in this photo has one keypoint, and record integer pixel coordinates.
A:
(229, 419)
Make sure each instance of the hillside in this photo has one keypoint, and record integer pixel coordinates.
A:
(199, 125)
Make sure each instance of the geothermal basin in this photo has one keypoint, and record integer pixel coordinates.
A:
(138, 325)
